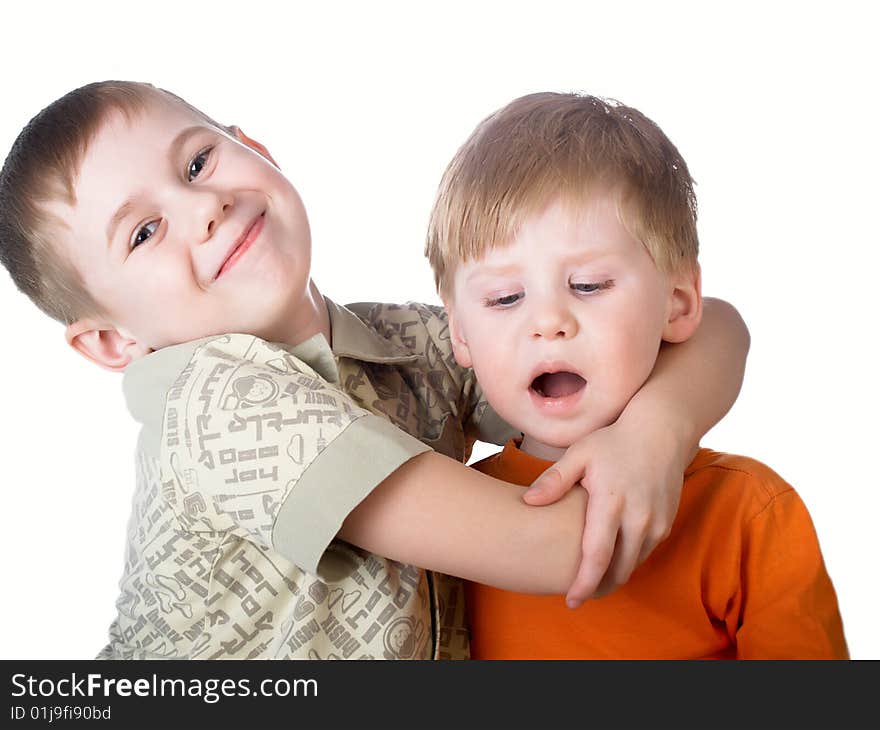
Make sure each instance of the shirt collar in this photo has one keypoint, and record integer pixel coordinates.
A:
(513, 460)
(354, 339)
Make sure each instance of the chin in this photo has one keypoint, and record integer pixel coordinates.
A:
(557, 439)
(564, 435)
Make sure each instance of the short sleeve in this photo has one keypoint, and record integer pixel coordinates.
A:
(255, 442)
(789, 607)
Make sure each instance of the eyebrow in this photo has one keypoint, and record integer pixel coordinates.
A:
(174, 151)
(121, 212)
(489, 271)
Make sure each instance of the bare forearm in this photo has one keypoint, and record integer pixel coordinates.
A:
(440, 515)
(695, 383)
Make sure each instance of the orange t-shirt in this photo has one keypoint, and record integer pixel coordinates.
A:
(740, 576)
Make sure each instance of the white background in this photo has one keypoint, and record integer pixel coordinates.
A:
(774, 106)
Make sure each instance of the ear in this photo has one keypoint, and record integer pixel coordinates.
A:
(685, 307)
(459, 344)
(253, 144)
(103, 344)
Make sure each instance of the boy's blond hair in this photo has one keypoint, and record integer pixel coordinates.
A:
(546, 146)
(41, 167)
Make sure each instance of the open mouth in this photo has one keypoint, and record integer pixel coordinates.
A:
(557, 385)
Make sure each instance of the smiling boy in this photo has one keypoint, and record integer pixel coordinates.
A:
(560, 304)
(279, 429)
(196, 269)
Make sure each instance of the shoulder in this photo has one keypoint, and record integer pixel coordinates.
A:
(393, 319)
(372, 312)
(148, 380)
(410, 326)
(740, 477)
(214, 372)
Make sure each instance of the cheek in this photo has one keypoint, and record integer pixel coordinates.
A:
(493, 363)
(632, 342)
(292, 217)
(160, 285)
(488, 346)
(159, 299)
(501, 392)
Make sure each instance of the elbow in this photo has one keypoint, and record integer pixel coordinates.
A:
(733, 321)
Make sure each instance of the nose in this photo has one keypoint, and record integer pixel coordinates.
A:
(552, 319)
(207, 209)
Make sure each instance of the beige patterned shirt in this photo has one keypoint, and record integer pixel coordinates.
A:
(251, 455)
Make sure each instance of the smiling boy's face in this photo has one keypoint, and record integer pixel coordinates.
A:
(563, 325)
(180, 231)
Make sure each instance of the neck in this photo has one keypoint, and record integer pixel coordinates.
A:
(539, 450)
(535, 448)
(308, 318)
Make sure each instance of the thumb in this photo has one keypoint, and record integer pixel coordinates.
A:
(553, 484)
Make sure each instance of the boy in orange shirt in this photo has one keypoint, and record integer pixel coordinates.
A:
(564, 245)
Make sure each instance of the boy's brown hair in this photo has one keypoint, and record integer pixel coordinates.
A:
(546, 146)
(42, 167)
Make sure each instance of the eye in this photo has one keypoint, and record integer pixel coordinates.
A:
(197, 164)
(506, 301)
(144, 233)
(592, 286)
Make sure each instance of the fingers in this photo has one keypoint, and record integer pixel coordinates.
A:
(611, 555)
(547, 488)
(646, 550)
(652, 540)
(628, 548)
(600, 537)
(557, 480)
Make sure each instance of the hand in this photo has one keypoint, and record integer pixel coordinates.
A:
(634, 481)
